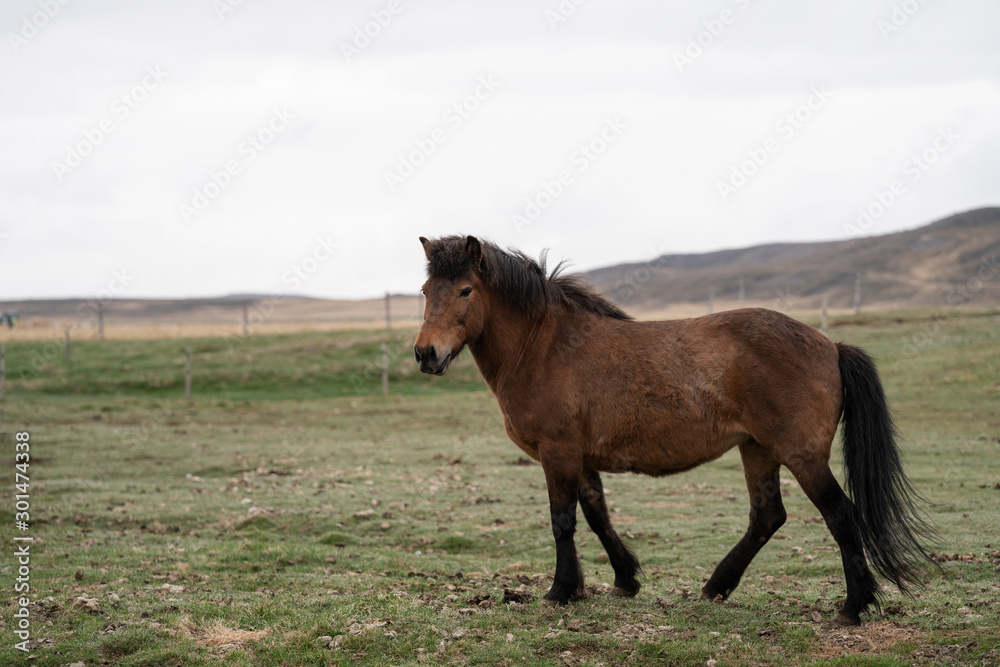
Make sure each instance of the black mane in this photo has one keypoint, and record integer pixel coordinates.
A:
(517, 278)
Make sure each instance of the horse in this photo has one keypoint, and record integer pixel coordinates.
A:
(586, 389)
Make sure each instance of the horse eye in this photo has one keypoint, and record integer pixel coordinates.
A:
(467, 291)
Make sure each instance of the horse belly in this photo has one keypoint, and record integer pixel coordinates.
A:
(664, 453)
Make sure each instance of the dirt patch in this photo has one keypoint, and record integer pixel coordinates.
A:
(989, 557)
(871, 638)
(221, 636)
(520, 596)
(950, 653)
(483, 600)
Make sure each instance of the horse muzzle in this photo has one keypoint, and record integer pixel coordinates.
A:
(430, 361)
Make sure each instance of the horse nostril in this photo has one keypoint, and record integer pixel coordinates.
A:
(425, 355)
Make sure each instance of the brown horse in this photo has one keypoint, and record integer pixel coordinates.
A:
(584, 390)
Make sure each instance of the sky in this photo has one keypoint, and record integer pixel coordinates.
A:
(200, 148)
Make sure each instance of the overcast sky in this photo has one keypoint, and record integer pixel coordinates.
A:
(208, 147)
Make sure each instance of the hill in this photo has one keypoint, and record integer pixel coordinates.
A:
(935, 265)
(950, 262)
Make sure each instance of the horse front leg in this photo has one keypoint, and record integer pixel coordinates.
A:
(562, 468)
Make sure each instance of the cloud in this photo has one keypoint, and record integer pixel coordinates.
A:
(656, 187)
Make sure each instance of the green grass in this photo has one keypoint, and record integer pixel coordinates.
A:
(277, 367)
(291, 501)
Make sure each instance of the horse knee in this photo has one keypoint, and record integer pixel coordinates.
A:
(777, 520)
(563, 525)
(765, 523)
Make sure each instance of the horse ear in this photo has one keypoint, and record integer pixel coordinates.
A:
(474, 250)
(424, 241)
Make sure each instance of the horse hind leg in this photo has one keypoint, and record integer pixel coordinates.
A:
(844, 521)
(623, 559)
(767, 515)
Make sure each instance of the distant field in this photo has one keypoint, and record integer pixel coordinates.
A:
(126, 319)
(145, 323)
(290, 501)
(142, 319)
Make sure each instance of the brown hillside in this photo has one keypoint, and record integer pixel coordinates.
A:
(919, 267)
(923, 267)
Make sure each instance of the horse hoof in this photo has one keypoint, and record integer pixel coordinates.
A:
(554, 600)
(846, 619)
(712, 597)
(620, 592)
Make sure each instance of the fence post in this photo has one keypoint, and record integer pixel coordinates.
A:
(67, 350)
(187, 374)
(3, 368)
(823, 324)
(857, 293)
(385, 371)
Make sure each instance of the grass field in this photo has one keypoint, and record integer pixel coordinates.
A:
(290, 501)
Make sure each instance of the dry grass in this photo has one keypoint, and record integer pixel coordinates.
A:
(219, 635)
(144, 319)
(155, 331)
(362, 317)
(874, 637)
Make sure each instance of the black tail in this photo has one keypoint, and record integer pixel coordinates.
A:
(891, 524)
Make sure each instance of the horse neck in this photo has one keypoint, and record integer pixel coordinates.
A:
(506, 343)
